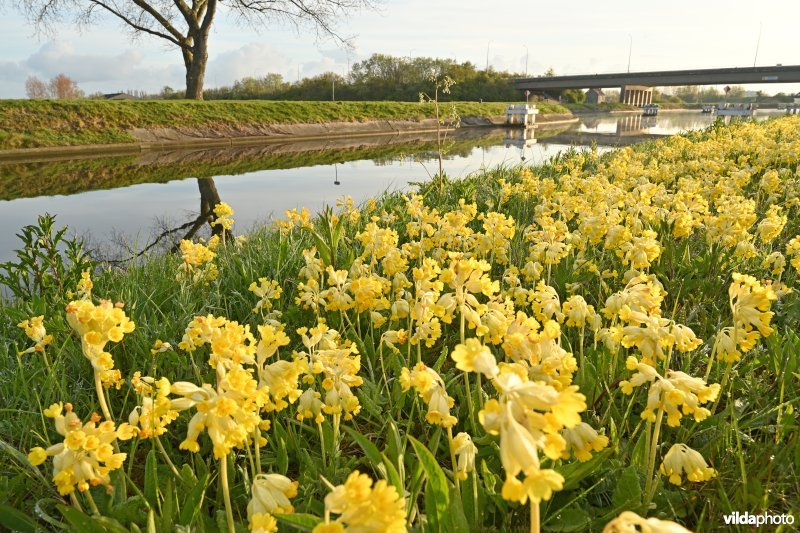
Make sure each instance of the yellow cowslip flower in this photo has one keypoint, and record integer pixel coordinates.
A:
(271, 494)
(430, 387)
(266, 290)
(550, 243)
(377, 242)
(365, 507)
(546, 304)
(793, 251)
(294, 219)
(750, 302)
(581, 441)
(97, 325)
(262, 523)
(86, 456)
(223, 213)
(464, 451)
(198, 263)
(84, 287)
(578, 312)
(231, 343)
(270, 339)
(642, 294)
(368, 293)
(677, 394)
(229, 414)
(498, 230)
(160, 346)
(309, 406)
(393, 337)
(630, 522)
(337, 296)
(772, 224)
(776, 262)
(682, 460)
(155, 413)
(641, 251)
(282, 378)
(35, 330)
(475, 357)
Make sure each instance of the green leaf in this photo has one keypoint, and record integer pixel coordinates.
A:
(299, 521)
(151, 479)
(80, 522)
(576, 471)
(15, 520)
(134, 509)
(372, 452)
(572, 518)
(193, 502)
(628, 492)
(437, 491)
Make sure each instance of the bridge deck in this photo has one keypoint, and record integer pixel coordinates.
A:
(717, 76)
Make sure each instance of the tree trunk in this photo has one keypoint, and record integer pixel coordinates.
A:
(195, 62)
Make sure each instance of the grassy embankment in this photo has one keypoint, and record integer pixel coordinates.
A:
(36, 123)
(689, 212)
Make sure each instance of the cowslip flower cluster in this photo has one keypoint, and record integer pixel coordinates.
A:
(630, 522)
(364, 506)
(223, 216)
(86, 456)
(750, 303)
(266, 290)
(229, 413)
(529, 416)
(197, 264)
(270, 495)
(677, 394)
(35, 330)
(682, 461)
(97, 325)
(430, 387)
(154, 412)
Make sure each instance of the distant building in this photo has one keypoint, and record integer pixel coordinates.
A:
(120, 96)
(595, 96)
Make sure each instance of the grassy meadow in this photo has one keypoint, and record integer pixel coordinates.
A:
(40, 123)
(600, 343)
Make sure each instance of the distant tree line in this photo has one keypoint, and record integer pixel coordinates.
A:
(380, 77)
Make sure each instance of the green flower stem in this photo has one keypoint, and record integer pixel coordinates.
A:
(535, 527)
(651, 462)
(92, 504)
(453, 460)
(101, 397)
(226, 493)
(166, 457)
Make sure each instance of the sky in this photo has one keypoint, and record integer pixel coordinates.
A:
(576, 37)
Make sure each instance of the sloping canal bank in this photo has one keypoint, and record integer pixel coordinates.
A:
(30, 128)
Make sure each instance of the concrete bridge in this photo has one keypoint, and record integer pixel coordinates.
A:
(637, 87)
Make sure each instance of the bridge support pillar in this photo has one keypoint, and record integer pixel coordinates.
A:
(636, 95)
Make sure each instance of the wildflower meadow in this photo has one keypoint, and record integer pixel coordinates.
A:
(604, 342)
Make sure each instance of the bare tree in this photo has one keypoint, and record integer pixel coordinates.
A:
(64, 88)
(187, 24)
(36, 88)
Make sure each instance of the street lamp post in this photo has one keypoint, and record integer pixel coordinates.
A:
(630, 49)
(526, 59)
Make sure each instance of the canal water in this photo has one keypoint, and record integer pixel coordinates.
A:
(122, 203)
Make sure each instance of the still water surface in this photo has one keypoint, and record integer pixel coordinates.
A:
(134, 197)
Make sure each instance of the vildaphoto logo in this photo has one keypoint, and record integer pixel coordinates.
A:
(758, 520)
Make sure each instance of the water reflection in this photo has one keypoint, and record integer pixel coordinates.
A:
(140, 198)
